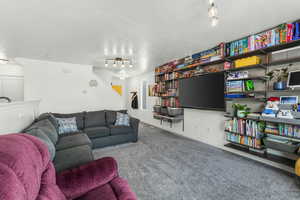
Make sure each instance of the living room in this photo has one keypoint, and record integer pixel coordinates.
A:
(149, 100)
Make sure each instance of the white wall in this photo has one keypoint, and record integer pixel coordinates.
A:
(11, 81)
(16, 116)
(204, 126)
(64, 87)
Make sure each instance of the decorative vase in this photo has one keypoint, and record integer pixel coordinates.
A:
(281, 85)
(241, 113)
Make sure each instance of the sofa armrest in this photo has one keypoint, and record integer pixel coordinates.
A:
(78, 181)
(134, 123)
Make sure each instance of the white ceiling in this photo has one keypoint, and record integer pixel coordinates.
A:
(151, 32)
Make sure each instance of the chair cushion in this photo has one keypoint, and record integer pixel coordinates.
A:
(122, 119)
(120, 130)
(96, 118)
(117, 189)
(111, 116)
(79, 118)
(72, 157)
(96, 132)
(74, 140)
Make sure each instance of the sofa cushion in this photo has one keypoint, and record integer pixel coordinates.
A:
(47, 127)
(79, 118)
(96, 118)
(120, 130)
(44, 138)
(50, 117)
(72, 157)
(67, 125)
(74, 140)
(96, 132)
(111, 116)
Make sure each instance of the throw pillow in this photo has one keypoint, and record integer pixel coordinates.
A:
(47, 127)
(67, 125)
(122, 119)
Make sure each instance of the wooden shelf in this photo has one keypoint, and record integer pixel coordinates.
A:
(246, 92)
(264, 51)
(261, 78)
(200, 65)
(236, 143)
(263, 66)
(241, 134)
(284, 61)
(246, 99)
(264, 155)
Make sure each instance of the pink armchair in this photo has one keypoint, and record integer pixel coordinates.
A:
(26, 173)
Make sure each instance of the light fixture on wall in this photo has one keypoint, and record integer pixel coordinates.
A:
(119, 62)
(213, 13)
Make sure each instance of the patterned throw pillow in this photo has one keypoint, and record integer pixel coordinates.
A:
(122, 120)
(67, 125)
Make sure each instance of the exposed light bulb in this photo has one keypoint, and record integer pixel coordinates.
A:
(123, 64)
(211, 2)
(115, 64)
(130, 65)
(106, 64)
(214, 21)
(213, 11)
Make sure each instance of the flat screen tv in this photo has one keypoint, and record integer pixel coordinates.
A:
(203, 92)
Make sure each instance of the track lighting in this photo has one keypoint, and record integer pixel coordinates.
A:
(121, 62)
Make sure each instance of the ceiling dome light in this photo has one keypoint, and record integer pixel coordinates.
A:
(214, 21)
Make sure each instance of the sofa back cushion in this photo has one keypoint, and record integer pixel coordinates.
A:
(95, 118)
(47, 127)
(111, 116)
(79, 118)
(40, 134)
(50, 117)
(26, 172)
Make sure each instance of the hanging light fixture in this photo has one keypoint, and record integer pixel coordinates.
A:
(213, 13)
(123, 62)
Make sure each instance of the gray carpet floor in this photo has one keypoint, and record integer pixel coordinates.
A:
(165, 166)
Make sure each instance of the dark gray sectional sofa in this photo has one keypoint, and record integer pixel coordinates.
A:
(96, 130)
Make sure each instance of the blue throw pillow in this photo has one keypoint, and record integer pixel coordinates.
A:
(67, 125)
(122, 119)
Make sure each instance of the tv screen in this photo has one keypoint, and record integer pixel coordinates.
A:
(294, 79)
(203, 92)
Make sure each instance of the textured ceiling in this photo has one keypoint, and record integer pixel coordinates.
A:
(150, 32)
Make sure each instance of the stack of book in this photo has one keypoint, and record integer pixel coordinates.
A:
(244, 127)
(283, 130)
(244, 140)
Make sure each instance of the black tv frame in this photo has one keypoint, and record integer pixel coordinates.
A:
(205, 108)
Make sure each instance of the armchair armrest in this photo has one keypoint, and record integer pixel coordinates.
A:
(134, 123)
(78, 181)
